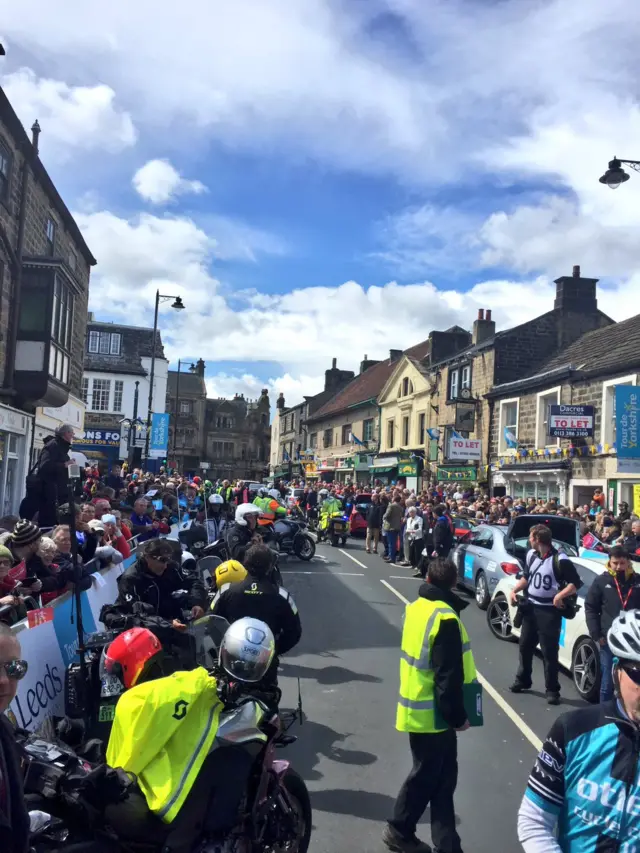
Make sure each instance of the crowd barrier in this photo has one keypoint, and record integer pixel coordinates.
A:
(49, 641)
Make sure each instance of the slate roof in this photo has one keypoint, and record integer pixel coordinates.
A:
(190, 384)
(602, 349)
(136, 344)
(366, 386)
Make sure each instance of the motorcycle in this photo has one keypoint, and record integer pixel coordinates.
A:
(219, 549)
(291, 537)
(337, 529)
(81, 803)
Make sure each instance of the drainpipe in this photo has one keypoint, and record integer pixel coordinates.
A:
(492, 404)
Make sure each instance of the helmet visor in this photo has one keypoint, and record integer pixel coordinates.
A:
(111, 676)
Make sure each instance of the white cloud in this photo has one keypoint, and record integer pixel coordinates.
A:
(294, 388)
(71, 117)
(159, 182)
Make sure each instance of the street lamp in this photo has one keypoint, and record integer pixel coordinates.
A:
(192, 369)
(179, 306)
(616, 175)
(133, 423)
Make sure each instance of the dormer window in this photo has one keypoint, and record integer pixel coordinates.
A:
(105, 343)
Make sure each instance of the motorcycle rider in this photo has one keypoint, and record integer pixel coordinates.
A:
(215, 523)
(272, 506)
(231, 571)
(329, 504)
(243, 532)
(190, 786)
(259, 598)
(154, 579)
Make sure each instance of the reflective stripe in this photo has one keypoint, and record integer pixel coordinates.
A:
(417, 704)
(423, 661)
(180, 784)
(466, 647)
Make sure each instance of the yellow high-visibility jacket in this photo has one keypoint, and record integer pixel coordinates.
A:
(162, 732)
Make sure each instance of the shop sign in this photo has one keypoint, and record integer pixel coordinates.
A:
(467, 472)
(98, 438)
(464, 449)
(12, 421)
(571, 421)
(408, 469)
(465, 417)
(159, 435)
(310, 468)
(306, 456)
(627, 427)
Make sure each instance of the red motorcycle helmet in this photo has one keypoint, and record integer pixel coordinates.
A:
(131, 657)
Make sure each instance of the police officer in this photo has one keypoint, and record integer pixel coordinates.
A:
(549, 577)
(259, 598)
(243, 532)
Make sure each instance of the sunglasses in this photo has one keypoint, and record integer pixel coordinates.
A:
(633, 673)
(160, 559)
(15, 669)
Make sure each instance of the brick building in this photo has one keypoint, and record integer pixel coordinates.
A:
(115, 386)
(291, 430)
(461, 381)
(44, 290)
(585, 373)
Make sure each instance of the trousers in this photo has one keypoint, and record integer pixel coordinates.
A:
(373, 537)
(606, 669)
(432, 781)
(540, 625)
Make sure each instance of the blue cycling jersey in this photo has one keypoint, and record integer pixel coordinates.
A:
(587, 776)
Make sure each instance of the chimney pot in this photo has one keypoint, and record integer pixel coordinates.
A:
(487, 316)
(35, 134)
(334, 364)
(480, 313)
(576, 271)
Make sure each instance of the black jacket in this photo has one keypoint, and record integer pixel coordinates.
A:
(260, 599)
(139, 584)
(51, 467)
(446, 658)
(374, 516)
(238, 538)
(14, 819)
(631, 545)
(603, 603)
(442, 536)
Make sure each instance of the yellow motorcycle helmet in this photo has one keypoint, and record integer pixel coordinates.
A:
(231, 571)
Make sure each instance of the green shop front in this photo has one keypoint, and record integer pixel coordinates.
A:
(456, 474)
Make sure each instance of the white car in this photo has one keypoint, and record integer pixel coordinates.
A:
(578, 653)
(292, 497)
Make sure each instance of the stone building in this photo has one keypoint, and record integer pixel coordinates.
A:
(217, 438)
(291, 431)
(541, 466)
(44, 290)
(115, 386)
(461, 381)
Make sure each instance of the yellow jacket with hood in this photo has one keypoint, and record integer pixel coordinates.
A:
(162, 732)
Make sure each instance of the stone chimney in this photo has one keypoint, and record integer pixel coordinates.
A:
(35, 135)
(484, 327)
(200, 368)
(394, 354)
(280, 401)
(335, 379)
(366, 363)
(575, 294)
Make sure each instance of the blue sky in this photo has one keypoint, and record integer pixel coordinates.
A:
(331, 179)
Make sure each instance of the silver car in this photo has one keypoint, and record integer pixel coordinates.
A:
(489, 553)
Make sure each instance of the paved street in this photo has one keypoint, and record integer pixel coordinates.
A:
(348, 750)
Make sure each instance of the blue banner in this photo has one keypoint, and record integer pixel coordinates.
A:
(159, 441)
(627, 421)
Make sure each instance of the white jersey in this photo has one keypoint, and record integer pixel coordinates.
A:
(543, 584)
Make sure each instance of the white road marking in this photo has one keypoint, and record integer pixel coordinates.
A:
(500, 701)
(328, 574)
(347, 554)
(403, 578)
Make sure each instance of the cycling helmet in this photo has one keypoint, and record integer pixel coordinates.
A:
(132, 657)
(247, 649)
(244, 510)
(275, 494)
(231, 571)
(216, 499)
(624, 636)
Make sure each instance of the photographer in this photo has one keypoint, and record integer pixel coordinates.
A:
(549, 578)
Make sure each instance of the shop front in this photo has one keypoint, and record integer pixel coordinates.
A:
(384, 470)
(326, 470)
(344, 469)
(409, 471)
(538, 480)
(100, 446)
(15, 436)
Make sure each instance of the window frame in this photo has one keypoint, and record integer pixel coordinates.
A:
(502, 446)
(542, 417)
(5, 177)
(313, 440)
(84, 390)
(50, 225)
(607, 422)
(422, 427)
(118, 392)
(61, 331)
(327, 437)
(347, 429)
(454, 387)
(366, 423)
(465, 382)
(406, 430)
(185, 407)
(101, 391)
(391, 433)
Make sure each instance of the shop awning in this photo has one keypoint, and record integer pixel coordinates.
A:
(384, 470)
(387, 462)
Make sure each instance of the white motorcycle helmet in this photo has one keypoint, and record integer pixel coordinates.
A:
(247, 649)
(216, 499)
(244, 510)
(275, 494)
(262, 492)
(323, 494)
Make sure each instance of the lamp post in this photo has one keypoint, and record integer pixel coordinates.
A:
(179, 306)
(192, 369)
(616, 175)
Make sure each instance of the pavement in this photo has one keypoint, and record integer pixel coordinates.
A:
(348, 751)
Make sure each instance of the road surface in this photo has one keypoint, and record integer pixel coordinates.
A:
(349, 752)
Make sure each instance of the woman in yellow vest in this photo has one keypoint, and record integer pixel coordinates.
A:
(439, 696)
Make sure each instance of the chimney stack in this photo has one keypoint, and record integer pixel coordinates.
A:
(576, 270)
(394, 354)
(483, 328)
(35, 135)
(366, 363)
(575, 294)
(280, 401)
(334, 363)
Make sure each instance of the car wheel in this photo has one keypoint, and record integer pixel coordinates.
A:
(585, 669)
(499, 619)
(482, 591)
